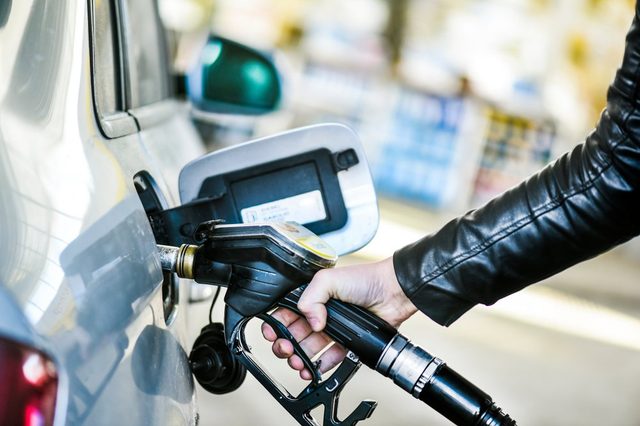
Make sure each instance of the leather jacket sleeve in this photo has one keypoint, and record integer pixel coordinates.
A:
(583, 204)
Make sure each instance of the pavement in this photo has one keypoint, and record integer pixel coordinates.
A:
(565, 351)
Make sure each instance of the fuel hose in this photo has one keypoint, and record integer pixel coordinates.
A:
(377, 344)
(380, 347)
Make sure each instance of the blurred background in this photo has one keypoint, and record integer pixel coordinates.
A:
(455, 101)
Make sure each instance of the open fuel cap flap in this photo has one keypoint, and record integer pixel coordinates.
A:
(317, 176)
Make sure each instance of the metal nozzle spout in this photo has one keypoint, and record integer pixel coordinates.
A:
(178, 259)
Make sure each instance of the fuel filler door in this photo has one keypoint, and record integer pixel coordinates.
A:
(317, 176)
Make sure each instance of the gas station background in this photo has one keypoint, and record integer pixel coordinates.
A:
(455, 101)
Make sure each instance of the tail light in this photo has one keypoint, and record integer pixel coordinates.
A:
(28, 385)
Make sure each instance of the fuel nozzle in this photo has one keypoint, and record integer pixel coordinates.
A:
(382, 348)
(263, 261)
(178, 259)
(266, 266)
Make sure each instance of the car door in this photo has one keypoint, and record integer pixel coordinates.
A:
(150, 137)
(79, 263)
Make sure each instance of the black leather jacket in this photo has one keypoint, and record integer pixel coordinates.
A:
(583, 204)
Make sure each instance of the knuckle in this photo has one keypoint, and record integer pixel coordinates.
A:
(305, 305)
(279, 349)
(320, 275)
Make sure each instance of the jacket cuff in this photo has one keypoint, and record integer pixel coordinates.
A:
(435, 301)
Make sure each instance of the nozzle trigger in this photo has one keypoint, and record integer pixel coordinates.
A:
(283, 332)
(317, 393)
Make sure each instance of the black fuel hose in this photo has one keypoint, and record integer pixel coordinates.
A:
(380, 347)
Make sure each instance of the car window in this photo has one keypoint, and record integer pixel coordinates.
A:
(146, 53)
(108, 92)
(129, 62)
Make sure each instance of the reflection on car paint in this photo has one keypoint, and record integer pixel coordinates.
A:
(34, 78)
(115, 250)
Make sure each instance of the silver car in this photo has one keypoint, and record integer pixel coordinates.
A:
(92, 139)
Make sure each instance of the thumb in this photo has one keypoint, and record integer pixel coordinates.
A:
(312, 301)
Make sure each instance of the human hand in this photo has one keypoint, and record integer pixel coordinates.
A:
(372, 286)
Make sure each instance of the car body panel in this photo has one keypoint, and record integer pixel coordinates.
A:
(79, 260)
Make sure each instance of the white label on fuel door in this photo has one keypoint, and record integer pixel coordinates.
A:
(301, 208)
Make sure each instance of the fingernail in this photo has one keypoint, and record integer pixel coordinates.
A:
(268, 333)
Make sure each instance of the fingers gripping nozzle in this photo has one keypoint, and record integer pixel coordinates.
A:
(319, 392)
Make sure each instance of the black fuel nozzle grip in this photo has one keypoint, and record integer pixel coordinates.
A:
(382, 348)
(351, 326)
(263, 261)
